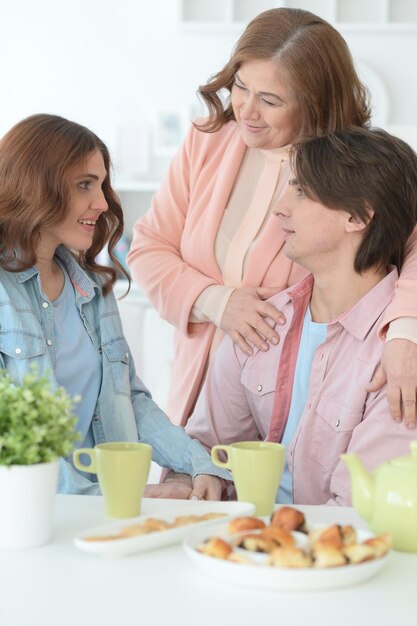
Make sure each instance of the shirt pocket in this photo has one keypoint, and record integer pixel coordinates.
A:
(19, 350)
(332, 431)
(116, 353)
(259, 382)
(21, 345)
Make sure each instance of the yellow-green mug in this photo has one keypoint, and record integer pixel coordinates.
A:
(257, 468)
(122, 470)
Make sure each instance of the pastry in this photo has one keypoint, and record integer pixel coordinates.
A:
(135, 530)
(288, 518)
(156, 524)
(359, 552)
(348, 535)
(331, 535)
(255, 543)
(380, 544)
(240, 524)
(239, 558)
(327, 555)
(289, 557)
(280, 536)
(335, 535)
(216, 547)
(102, 538)
(184, 520)
(210, 516)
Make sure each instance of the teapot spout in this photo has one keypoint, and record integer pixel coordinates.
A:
(363, 486)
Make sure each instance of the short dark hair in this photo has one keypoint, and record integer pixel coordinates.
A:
(36, 156)
(318, 68)
(358, 170)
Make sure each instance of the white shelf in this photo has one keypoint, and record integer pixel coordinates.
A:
(239, 27)
(346, 15)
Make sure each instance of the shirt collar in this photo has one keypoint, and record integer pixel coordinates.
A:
(82, 282)
(358, 320)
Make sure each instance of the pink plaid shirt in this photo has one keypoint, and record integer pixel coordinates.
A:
(246, 398)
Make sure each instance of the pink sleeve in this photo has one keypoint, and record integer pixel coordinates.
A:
(375, 440)
(404, 303)
(155, 259)
(222, 413)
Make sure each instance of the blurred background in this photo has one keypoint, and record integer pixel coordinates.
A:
(129, 70)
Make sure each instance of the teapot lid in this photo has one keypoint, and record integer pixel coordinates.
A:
(407, 462)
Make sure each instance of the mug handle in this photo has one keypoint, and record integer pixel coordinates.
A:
(214, 456)
(77, 462)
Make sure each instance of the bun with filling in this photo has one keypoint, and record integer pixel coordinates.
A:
(241, 524)
(288, 518)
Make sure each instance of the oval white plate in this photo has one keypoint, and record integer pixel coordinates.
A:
(162, 538)
(258, 576)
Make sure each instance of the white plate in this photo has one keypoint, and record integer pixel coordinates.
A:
(162, 538)
(259, 576)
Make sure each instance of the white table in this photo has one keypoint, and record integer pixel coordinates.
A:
(59, 585)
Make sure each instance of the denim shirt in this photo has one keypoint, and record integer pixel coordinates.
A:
(125, 410)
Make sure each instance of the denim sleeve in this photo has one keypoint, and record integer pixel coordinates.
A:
(171, 446)
(70, 481)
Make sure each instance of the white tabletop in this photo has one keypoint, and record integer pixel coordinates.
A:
(59, 585)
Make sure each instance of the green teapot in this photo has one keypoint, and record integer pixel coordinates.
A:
(387, 497)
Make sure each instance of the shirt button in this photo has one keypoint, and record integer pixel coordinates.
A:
(18, 350)
(259, 388)
(337, 423)
(96, 418)
(49, 342)
(45, 305)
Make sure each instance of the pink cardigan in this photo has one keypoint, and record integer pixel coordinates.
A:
(172, 254)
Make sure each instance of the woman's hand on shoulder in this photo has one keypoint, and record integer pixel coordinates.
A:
(398, 368)
(244, 318)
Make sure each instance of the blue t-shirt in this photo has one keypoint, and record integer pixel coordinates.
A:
(313, 334)
(72, 347)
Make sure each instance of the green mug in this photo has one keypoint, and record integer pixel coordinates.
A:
(257, 468)
(122, 470)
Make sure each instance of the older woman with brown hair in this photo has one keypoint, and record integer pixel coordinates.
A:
(57, 309)
(208, 253)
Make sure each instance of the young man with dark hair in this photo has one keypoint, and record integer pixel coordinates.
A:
(347, 215)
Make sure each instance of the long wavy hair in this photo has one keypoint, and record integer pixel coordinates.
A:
(316, 63)
(36, 156)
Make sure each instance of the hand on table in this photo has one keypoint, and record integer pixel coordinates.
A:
(244, 318)
(206, 487)
(180, 486)
(398, 368)
(175, 486)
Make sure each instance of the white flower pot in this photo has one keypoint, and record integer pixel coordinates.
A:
(27, 494)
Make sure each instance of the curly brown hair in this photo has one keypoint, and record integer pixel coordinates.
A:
(316, 62)
(36, 156)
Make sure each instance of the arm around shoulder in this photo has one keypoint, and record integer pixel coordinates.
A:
(404, 303)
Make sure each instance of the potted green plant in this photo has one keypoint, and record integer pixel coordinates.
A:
(36, 428)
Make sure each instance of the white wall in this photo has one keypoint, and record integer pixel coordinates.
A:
(110, 62)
